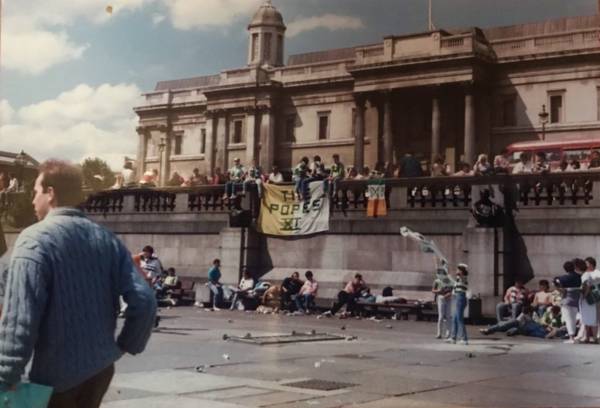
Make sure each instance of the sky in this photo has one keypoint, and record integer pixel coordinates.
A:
(71, 72)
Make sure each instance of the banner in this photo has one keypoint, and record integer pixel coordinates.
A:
(376, 206)
(282, 214)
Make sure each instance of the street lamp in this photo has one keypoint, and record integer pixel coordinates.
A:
(20, 163)
(544, 115)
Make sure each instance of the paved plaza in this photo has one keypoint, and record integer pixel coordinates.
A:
(386, 364)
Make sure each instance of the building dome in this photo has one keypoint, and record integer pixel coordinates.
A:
(267, 15)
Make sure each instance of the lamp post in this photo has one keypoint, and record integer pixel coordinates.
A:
(544, 115)
(20, 163)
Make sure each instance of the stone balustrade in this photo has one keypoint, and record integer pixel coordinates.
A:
(548, 190)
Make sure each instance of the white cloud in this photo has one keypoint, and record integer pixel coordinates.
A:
(158, 18)
(83, 122)
(35, 37)
(329, 22)
(34, 51)
(204, 14)
(6, 112)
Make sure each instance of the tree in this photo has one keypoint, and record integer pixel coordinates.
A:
(97, 175)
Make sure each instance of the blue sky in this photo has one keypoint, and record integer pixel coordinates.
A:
(71, 72)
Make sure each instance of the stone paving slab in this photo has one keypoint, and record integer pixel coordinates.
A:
(270, 399)
(481, 396)
(170, 401)
(343, 400)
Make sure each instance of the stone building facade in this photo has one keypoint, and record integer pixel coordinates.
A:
(451, 92)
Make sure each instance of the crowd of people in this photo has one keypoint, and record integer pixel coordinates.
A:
(239, 176)
(568, 311)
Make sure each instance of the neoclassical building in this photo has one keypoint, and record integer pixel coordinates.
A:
(452, 92)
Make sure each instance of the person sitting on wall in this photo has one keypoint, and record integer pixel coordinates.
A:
(176, 180)
(348, 297)
(305, 301)
(542, 299)
(236, 178)
(337, 172)
(243, 289)
(300, 174)
(253, 176)
(514, 300)
(317, 172)
(290, 287)
(482, 167)
(501, 163)
(409, 167)
(275, 177)
(465, 170)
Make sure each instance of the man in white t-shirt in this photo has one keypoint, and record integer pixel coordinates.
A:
(243, 289)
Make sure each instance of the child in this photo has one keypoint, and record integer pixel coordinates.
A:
(460, 303)
(306, 297)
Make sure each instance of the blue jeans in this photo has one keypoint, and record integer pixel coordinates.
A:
(305, 302)
(231, 186)
(503, 309)
(458, 319)
(216, 294)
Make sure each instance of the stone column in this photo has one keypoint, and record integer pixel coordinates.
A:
(267, 139)
(209, 148)
(469, 126)
(142, 152)
(436, 124)
(388, 137)
(251, 138)
(165, 156)
(359, 134)
(221, 142)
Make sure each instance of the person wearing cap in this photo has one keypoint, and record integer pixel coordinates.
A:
(460, 287)
(236, 177)
(442, 288)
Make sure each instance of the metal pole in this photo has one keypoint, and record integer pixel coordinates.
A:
(431, 16)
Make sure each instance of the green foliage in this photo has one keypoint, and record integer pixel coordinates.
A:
(97, 175)
(20, 213)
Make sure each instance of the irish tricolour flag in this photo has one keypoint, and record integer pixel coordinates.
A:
(376, 195)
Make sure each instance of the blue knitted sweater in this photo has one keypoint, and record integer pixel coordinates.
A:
(65, 277)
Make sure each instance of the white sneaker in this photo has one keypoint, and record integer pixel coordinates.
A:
(570, 341)
(450, 340)
(327, 314)
(216, 309)
(464, 342)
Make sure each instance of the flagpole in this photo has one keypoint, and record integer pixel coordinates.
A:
(430, 28)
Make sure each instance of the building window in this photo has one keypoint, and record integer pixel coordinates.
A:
(508, 114)
(324, 125)
(238, 128)
(202, 141)
(177, 143)
(290, 128)
(557, 110)
(267, 46)
(254, 46)
(280, 49)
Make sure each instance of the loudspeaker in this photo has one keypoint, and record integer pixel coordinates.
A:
(240, 219)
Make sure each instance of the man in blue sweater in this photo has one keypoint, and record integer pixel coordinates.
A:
(65, 276)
